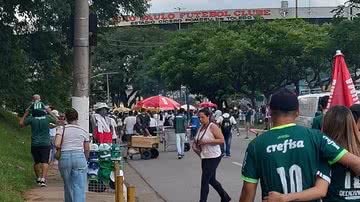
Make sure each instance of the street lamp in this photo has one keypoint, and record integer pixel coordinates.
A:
(179, 9)
(107, 83)
(185, 91)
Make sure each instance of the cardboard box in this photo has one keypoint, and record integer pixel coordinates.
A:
(144, 142)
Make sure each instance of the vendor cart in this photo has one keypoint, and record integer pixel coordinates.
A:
(146, 146)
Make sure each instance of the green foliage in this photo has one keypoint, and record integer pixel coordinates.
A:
(242, 58)
(345, 37)
(16, 171)
(125, 50)
(37, 58)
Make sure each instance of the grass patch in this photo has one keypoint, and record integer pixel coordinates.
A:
(16, 172)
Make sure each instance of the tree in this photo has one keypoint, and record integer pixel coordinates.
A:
(347, 7)
(125, 50)
(37, 58)
(252, 58)
(345, 37)
(184, 61)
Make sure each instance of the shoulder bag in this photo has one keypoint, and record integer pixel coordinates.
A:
(58, 150)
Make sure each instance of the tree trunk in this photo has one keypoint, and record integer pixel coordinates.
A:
(253, 98)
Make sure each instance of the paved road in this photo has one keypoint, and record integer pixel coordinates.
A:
(179, 180)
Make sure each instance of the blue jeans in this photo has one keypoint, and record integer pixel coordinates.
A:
(227, 143)
(53, 149)
(73, 169)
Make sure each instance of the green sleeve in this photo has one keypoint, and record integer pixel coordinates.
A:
(329, 150)
(51, 119)
(249, 171)
(28, 120)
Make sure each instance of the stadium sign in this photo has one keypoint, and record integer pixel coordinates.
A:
(221, 15)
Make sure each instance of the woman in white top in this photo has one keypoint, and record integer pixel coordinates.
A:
(74, 152)
(209, 137)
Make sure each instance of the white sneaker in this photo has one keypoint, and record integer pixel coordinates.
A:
(42, 183)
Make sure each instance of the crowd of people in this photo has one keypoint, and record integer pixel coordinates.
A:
(291, 162)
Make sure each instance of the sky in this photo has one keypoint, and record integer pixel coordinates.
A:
(158, 6)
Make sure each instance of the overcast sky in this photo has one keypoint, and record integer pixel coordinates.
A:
(158, 6)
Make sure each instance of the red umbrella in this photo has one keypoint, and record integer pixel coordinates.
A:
(343, 91)
(207, 104)
(160, 102)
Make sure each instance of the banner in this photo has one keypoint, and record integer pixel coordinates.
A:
(221, 16)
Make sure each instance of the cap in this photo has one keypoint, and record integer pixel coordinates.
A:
(94, 147)
(101, 105)
(284, 100)
(55, 112)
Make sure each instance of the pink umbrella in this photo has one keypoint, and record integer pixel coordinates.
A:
(207, 104)
(160, 102)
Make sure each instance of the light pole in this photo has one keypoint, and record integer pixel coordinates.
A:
(107, 83)
(179, 9)
(187, 103)
(296, 9)
(80, 96)
(184, 90)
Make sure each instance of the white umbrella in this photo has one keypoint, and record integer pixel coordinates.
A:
(190, 106)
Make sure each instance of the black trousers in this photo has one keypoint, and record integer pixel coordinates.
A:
(208, 176)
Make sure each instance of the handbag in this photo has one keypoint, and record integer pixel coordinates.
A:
(195, 145)
(58, 150)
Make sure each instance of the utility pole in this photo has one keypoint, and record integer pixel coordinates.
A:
(179, 9)
(80, 96)
(107, 83)
(296, 9)
(107, 89)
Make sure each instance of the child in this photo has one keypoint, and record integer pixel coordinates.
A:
(37, 108)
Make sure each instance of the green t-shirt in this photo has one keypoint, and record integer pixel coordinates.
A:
(345, 186)
(287, 159)
(317, 122)
(180, 124)
(39, 129)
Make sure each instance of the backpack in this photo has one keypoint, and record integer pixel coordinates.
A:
(167, 121)
(226, 125)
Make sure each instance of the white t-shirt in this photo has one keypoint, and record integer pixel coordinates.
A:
(113, 127)
(52, 132)
(74, 137)
(129, 123)
(153, 122)
(226, 115)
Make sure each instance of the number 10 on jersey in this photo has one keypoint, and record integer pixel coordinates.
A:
(295, 175)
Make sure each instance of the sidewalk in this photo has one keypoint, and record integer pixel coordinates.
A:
(54, 192)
